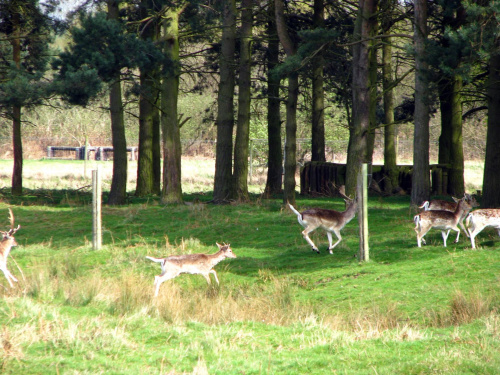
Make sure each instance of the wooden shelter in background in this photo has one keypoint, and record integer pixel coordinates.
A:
(324, 179)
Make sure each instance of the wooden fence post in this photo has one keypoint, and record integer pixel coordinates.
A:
(96, 209)
(362, 196)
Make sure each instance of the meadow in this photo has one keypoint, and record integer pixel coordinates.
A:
(279, 308)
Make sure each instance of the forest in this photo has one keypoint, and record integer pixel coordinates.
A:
(376, 64)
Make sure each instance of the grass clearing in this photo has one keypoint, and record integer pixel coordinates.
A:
(279, 309)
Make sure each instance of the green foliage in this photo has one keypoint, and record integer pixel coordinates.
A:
(100, 49)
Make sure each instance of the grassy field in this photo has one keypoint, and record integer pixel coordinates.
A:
(279, 309)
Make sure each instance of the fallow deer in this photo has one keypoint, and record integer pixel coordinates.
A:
(442, 205)
(8, 241)
(201, 264)
(443, 220)
(477, 220)
(330, 220)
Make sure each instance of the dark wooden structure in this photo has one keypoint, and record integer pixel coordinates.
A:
(324, 179)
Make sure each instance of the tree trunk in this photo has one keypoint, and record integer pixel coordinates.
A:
(451, 140)
(358, 140)
(145, 175)
(225, 108)
(147, 98)
(118, 191)
(275, 153)
(291, 108)
(373, 70)
(17, 143)
(421, 173)
(244, 95)
(318, 95)
(172, 189)
(390, 129)
(491, 178)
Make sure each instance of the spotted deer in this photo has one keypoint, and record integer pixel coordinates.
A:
(477, 220)
(8, 241)
(330, 220)
(442, 205)
(440, 219)
(201, 264)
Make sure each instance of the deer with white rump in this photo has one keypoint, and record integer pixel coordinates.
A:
(443, 220)
(477, 220)
(442, 205)
(330, 220)
(6, 244)
(201, 264)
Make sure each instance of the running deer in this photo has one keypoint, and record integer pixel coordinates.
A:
(443, 220)
(201, 264)
(8, 241)
(330, 220)
(477, 220)
(441, 205)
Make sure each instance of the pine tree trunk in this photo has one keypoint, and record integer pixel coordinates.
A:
(225, 108)
(291, 108)
(241, 151)
(358, 140)
(390, 129)
(421, 173)
(451, 140)
(275, 153)
(373, 70)
(172, 189)
(145, 176)
(147, 113)
(491, 178)
(118, 190)
(318, 95)
(17, 143)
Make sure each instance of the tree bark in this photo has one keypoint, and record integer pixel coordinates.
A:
(451, 140)
(17, 143)
(291, 108)
(390, 129)
(172, 189)
(491, 177)
(318, 95)
(147, 112)
(275, 153)
(118, 190)
(373, 71)
(358, 140)
(244, 97)
(225, 108)
(421, 173)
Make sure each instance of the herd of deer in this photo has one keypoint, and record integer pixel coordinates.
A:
(438, 214)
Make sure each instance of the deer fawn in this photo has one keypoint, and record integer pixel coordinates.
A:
(6, 244)
(441, 205)
(330, 220)
(477, 220)
(443, 220)
(202, 264)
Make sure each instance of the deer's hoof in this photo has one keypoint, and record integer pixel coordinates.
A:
(316, 250)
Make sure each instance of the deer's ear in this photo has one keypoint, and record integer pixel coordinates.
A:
(219, 245)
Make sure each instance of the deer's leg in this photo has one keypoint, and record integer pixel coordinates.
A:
(463, 228)
(207, 277)
(215, 275)
(458, 235)
(305, 233)
(421, 232)
(162, 278)
(339, 238)
(445, 236)
(8, 276)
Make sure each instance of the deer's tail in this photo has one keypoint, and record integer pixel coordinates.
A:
(425, 205)
(299, 215)
(157, 260)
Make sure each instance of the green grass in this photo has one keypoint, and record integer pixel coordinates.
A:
(280, 308)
